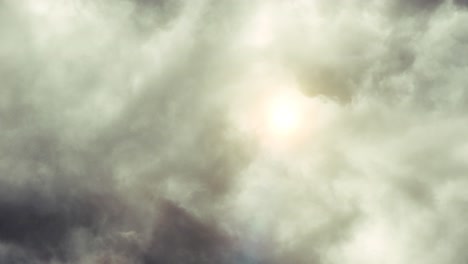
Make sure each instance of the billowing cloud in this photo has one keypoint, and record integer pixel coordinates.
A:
(137, 131)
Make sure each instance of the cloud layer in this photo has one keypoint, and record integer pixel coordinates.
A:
(126, 132)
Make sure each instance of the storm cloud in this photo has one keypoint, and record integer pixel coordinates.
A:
(132, 131)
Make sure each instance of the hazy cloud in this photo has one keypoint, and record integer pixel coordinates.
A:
(124, 136)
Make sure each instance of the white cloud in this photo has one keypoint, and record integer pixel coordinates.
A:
(119, 117)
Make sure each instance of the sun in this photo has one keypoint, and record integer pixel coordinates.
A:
(273, 110)
(284, 117)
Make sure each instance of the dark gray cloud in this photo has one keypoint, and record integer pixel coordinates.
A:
(42, 225)
(414, 7)
(461, 2)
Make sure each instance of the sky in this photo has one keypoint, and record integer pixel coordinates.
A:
(233, 131)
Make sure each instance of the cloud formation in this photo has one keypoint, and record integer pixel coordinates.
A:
(130, 132)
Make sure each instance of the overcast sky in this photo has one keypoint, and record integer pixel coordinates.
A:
(234, 131)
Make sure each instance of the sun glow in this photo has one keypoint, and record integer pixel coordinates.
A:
(283, 117)
(282, 122)
(272, 110)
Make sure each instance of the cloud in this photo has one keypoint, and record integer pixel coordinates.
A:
(460, 2)
(414, 7)
(120, 140)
